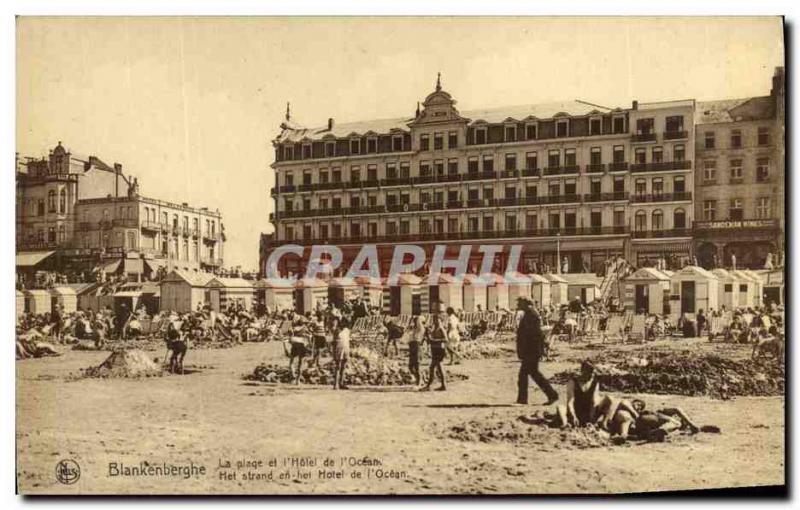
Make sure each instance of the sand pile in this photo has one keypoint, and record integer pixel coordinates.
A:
(485, 350)
(125, 363)
(364, 368)
(686, 373)
(522, 431)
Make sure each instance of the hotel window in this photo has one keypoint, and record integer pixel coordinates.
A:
(645, 126)
(562, 128)
(658, 186)
(404, 227)
(62, 201)
(570, 158)
(336, 175)
(596, 219)
(306, 178)
(289, 179)
(674, 124)
(405, 198)
(554, 220)
(709, 171)
(438, 167)
(372, 200)
(619, 218)
(762, 169)
(619, 184)
(289, 233)
(511, 222)
(736, 139)
(763, 136)
(336, 203)
(488, 223)
(709, 210)
(640, 156)
(424, 142)
(472, 224)
(336, 231)
(595, 156)
(531, 222)
(391, 228)
(530, 131)
(391, 171)
(452, 166)
(679, 218)
(330, 149)
(323, 204)
(510, 192)
(530, 191)
(323, 231)
(424, 168)
(51, 201)
(595, 187)
(658, 155)
(736, 170)
(679, 184)
(554, 159)
(373, 229)
(511, 162)
(397, 143)
(355, 201)
(480, 136)
(488, 164)
(355, 147)
(619, 125)
(488, 194)
(323, 177)
(640, 221)
(658, 220)
(710, 140)
(51, 234)
(763, 209)
(570, 188)
(554, 189)
(438, 141)
(424, 226)
(595, 126)
(372, 173)
(640, 187)
(472, 164)
(306, 151)
(511, 134)
(424, 198)
(678, 153)
(405, 170)
(452, 139)
(438, 226)
(531, 162)
(472, 194)
(619, 154)
(372, 145)
(452, 196)
(736, 211)
(288, 153)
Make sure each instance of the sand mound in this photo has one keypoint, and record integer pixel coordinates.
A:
(364, 368)
(485, 350)
(686, 373)
(125, 363)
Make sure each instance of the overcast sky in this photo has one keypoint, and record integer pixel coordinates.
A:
(190, 105)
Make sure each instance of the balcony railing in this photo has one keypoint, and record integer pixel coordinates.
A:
(125, 222)
(596, 168)
(509, 174)
(560, 199)
(397, 181)
(605, 197)
(662, 166)
(675, 135)
(643, 137)
(619, 166)
(662, 197)
(478, 176)
(655, 234)
(561, 170)
(289, 188)
(532, 172)
(151, 225)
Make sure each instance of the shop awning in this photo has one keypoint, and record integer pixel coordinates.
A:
(32, 258)
(155, 264)
(679, 247)
(111, 267)
(134, 266)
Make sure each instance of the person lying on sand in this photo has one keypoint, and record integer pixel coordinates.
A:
(652, 426)
(585, 405)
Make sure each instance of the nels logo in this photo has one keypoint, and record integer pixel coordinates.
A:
(68, 471)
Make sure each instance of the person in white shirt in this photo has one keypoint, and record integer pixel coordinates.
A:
(341, 352)
(453, 336)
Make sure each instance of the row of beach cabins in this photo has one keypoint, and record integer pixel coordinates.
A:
(647, 290)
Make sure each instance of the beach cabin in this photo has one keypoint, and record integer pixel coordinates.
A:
(559, 289)
(727, 289)
(65, 297)
(773, 286)
(519, 285)
(310, 295)
(371, 290)
(275, 294)
(646, 291)
(20, 302)
(540, 290)
(184, 291)
(405, 296)
(342, 289)
(747, 288)
(473, 293)
(443, 291)
(227, 292)
(694, 289)
(37, 301)
(758, 295)
(496, 292)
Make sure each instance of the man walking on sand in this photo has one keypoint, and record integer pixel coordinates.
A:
(530, 347)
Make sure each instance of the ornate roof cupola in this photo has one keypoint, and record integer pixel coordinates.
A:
(438, 107)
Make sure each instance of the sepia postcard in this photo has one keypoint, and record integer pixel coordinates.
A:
(400, 255)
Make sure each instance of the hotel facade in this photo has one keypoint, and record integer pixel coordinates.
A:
(570, 179)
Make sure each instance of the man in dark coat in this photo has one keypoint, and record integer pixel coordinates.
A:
(530, 347)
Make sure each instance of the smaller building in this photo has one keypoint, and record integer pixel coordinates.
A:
(693, 289)
(184, 291)
(228, 292)
(65, 297)
(727, 289)
(310, 294)
(405, 297)
(474, 293)
(647, 291)
(540, 290)
(558, 289)
(443, 291)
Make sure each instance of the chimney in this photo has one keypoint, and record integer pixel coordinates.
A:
(117, 168)
(635, 104)
(330, 124)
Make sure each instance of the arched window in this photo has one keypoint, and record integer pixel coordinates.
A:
(679, 219)
(51, 201)
(640, 221)
(62, 201)
(658, 220)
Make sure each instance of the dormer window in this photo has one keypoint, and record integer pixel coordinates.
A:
(596, 126)
(330, 149)
(562, 128)
(530, 131)
(372, 145)
(397, 143)
(306, 151)
(480, 136)
(511, 133)
(355, 147)
(288, 152)
(619, 124)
